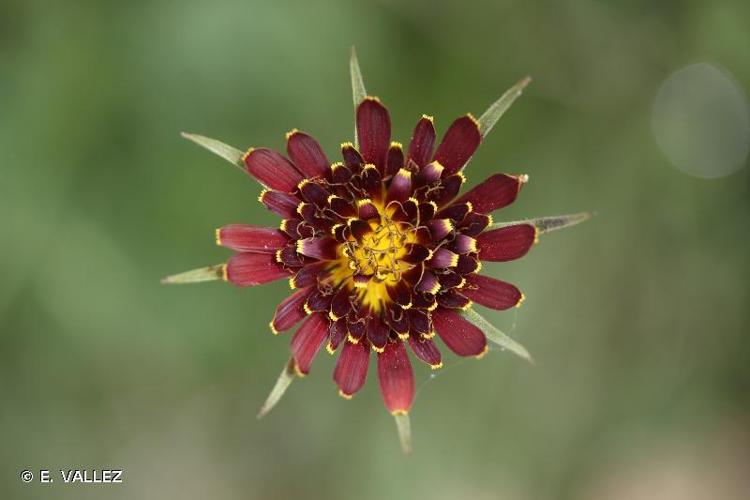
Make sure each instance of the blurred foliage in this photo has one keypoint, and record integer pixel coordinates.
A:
(637, 320)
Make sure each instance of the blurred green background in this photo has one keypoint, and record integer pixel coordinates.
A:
(638, 319)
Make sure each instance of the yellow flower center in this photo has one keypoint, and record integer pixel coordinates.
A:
(374, 262)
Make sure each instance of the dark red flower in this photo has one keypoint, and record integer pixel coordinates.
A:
(380, 249)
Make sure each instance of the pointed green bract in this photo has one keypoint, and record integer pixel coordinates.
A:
(495, 335)
(404, 431)
(548, 224)
(230, 154)
(499, 107)
(210, 273)
(358, 85)
(358, 88)
(287, 376)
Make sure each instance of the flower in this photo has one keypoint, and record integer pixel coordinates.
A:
(381, 250)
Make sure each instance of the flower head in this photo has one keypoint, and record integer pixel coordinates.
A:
(381, 250)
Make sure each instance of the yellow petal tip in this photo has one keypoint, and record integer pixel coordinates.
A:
(291, 133)
(483, 353)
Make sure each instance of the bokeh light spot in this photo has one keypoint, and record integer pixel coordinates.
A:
(700, 121)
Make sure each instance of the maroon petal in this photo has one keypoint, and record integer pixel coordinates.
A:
(367, 210)
(443, 258)
(400, 294)
(318, 248)
(304, 230)
(308, 275)
(272, 169)
(373, 131)
(427, 211)
(429, 283)
(413, 275)
(400, 188)
(403, 211)
(290, 311)
(398, 320)
(289, 257)
(474, 223)
(440, 228)
(339, 174)
(250, 269)
(280, 203)
(247, 238)
(306, 154)
(419, 322)
(359, 229)
(451, 299)
(372, 181)
(352, 159)
(340, 232)
(291, 227)
(377, 334)
(459, 143)
(417, 253)
(356, 328)
(396, 378)
(424, 301)
(491, 292)
(395, 159)
(341, 207)
(459, 335)
(450, 279)
(427, 351)
(506, 243)
(411, 208)
(351, 368)
(422, 141)
(340, 304)
(448, 189)
(496, 192)
(336, 334)
(308, 340)
(455, 212)
(429, 173)
(314, 193)
(308, 212)
(463, 244)
(467, 264)
(318, 301)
